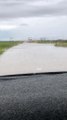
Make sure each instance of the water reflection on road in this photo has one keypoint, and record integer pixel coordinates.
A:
(29, 57)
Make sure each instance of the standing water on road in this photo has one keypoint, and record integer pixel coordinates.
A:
(33, 58)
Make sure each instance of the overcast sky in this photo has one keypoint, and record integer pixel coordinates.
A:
(21, 19)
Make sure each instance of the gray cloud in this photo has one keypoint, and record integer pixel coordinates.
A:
(27, 8)
(23, 24)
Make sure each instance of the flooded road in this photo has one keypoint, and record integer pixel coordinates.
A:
(32, 58)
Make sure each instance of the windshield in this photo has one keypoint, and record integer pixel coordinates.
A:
(33, 36)
(33, 59)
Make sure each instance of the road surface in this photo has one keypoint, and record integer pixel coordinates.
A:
(33, 58)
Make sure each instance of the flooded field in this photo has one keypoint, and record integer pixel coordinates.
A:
(32, 58)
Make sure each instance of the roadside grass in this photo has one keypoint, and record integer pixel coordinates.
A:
(57, 43)
(61, 44)
(4, 45)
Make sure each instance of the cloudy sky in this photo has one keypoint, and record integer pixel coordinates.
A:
(21, 19)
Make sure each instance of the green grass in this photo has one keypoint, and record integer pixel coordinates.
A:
(61, 44)
(57, 43)
(4, 45)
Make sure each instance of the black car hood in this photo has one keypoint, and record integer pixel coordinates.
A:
(39, 96)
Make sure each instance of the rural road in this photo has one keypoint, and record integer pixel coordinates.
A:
(35, 97)
(33, 58)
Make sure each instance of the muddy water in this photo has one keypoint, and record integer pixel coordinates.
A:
(29, 57)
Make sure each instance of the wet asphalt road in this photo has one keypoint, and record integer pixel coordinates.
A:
(35, 97)
(33, 58)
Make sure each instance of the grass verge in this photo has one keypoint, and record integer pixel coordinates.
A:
(4, 45)
(57, 43)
